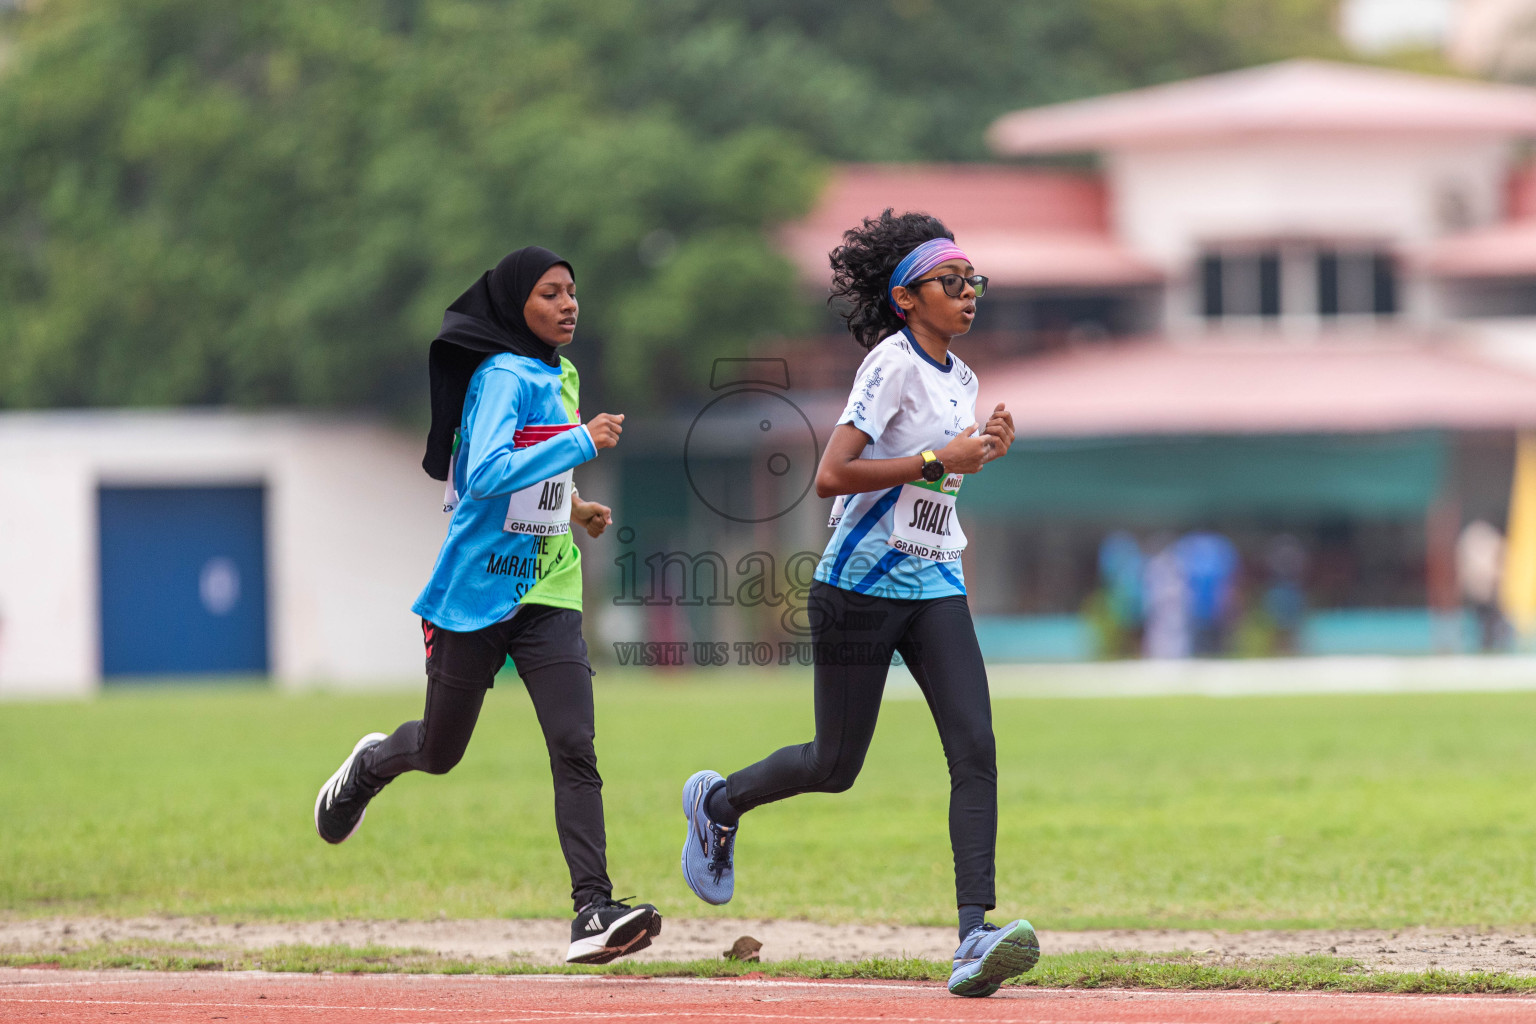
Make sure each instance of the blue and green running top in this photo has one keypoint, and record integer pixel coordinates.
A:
(521, 430)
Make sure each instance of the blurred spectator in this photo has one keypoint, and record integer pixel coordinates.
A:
(1209, 561)
(1479, 564)
(1120, 570)
(1167, 605)
(1285, 600)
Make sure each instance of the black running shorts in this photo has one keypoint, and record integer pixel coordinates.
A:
(536, 636)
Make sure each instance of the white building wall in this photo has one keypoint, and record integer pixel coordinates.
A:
(1493, 38)
(48, 643)
(1169, 201)
(353, 526)
(1381, 26)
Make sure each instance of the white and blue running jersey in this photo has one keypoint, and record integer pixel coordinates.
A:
(904, 542)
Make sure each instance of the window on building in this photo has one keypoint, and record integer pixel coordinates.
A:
(1043, 319)
(1297, 280)
(1360, 282)
(1245, 284)
(1210, 287)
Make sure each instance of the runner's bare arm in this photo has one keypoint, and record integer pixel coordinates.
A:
(843, 471)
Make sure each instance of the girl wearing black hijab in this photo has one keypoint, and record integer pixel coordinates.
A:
(506, 433)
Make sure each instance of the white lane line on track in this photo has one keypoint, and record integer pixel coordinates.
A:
(295, 978)
(879, 986)
(251, 977)
(937, 989)
(533, 1016)
(617, 1015)
(1139, 993)
(731, 1014)
(275, 1004)
(555, 1015)
(934, 989)
(81, 983)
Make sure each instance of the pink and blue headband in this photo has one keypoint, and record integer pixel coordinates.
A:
(918, 262)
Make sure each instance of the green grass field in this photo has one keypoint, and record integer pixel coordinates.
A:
(1261, 812)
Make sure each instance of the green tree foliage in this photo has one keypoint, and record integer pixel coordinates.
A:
(272, 202)
(922, 79)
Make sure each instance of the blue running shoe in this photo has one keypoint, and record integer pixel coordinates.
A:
(991, 955)
(707, 852)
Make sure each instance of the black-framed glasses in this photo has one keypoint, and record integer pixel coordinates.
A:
(954, 284)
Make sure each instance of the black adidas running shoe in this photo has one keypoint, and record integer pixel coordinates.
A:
(607, 929)
(343, 800)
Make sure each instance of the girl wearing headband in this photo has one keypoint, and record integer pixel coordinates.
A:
(891, 578)
(506, 433)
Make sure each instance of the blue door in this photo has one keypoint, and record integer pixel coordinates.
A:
(183, 580)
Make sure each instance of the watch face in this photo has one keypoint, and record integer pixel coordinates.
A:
(933, 470)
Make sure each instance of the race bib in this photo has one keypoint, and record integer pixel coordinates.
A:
(451, 488)
(543, 510)
(925, 523)
(837, 511)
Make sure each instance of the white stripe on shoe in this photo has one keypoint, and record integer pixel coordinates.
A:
(327, 795)
(603, 945)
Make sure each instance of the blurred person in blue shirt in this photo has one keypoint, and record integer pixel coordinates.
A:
(1210, 564)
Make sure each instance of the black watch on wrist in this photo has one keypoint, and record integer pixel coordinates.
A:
(933, 469)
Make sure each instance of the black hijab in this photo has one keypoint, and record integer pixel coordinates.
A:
(486, 319)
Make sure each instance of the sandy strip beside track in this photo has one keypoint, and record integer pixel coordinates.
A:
(1409, 949)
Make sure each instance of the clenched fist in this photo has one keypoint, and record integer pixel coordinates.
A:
(605, 429)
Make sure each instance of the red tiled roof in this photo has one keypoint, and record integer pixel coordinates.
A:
(1055, 260)
(1021, 227)
(1215, 387)
(1506, 250)
(1520, 192)
(1290, 98)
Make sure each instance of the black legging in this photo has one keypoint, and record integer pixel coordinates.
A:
(562, 699)
(937, 640)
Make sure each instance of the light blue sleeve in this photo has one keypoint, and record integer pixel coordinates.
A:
(496, 466)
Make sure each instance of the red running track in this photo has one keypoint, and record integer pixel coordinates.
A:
(130, 997)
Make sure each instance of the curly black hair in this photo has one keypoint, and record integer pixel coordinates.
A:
(862, 267)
